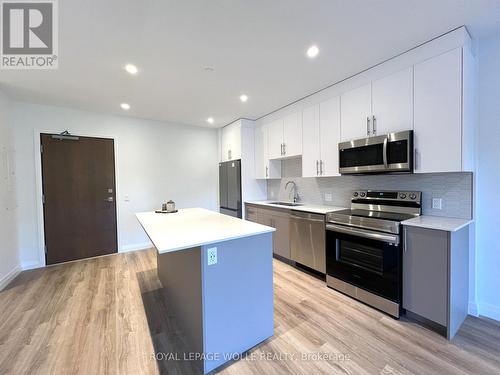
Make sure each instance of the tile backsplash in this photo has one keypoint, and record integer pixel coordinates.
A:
(455, 189)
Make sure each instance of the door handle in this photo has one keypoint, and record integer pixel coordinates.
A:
(384, 153)
(383, 237)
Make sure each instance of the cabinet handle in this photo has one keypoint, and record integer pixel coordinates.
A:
(267, 171)
(405, 242)
(317, 167)
(321, 167)
(374, 125)
(367, 126)
(284, 149)
(281, 149)
(415, 159)
(229, 154)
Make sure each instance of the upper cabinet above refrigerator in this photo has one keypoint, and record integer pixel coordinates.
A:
(231, 142)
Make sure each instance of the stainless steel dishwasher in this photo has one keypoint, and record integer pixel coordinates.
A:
(307, 240)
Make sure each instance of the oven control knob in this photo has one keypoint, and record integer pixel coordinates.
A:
(402, 195)
(413, 196)
(355, 194)
(362, 194)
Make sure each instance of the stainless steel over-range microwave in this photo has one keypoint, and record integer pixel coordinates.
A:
(392, 152)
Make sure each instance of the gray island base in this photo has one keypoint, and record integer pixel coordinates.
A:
(222, 309)
(222, 306)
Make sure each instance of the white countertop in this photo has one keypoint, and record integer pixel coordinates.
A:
(313, 208)
(448, 224)
(191, 227)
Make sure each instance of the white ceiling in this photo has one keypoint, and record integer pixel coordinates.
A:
(256, 47)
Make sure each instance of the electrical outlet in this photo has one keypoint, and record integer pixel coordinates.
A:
(328, 197)
(212, 256)
(437, 203)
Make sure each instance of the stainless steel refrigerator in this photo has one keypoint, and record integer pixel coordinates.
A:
(230, 188)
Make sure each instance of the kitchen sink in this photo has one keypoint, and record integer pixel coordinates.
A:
(290, 204)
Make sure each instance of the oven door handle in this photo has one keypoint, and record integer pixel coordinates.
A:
(389, 238)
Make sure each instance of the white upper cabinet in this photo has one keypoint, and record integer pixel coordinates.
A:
(231, 142)
(311, 142)
(261, 152)
(392, 103)
(275, 132)
(329, 115)
(264, 169)
(438, 113)
(285, 137)
(356, 112)
(292, 135)
(430, 90)
(321, 136)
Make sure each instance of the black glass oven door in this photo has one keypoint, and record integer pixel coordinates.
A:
(366, 263)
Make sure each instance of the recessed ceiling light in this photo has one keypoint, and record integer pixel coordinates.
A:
(312, 51)
(243, 98)
(131, 68)
(125, 106)
(210, 120)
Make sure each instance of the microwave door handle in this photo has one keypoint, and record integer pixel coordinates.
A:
(384, 152)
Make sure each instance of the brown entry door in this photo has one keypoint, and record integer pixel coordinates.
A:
(79, 197)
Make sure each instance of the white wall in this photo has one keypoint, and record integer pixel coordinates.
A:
(155, 162)
(488, 179)
(9, 257)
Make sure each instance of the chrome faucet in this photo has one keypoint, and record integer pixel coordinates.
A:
(296, 196)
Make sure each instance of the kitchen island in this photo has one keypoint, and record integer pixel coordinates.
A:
(217, 276)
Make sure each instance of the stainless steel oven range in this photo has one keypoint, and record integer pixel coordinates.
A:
(364, 247)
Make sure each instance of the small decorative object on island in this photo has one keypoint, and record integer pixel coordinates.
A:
(170, 206)
(167, 208)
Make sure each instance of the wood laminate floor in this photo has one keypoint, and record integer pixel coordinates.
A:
(107, 316)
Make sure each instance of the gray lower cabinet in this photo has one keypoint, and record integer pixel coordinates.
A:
(282, 235)
(435, 276)
(276, 218)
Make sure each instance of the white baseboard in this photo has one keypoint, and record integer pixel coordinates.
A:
(30, 265)
(4, 281)
(473, 309)
(135, 247)
(489, 311)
